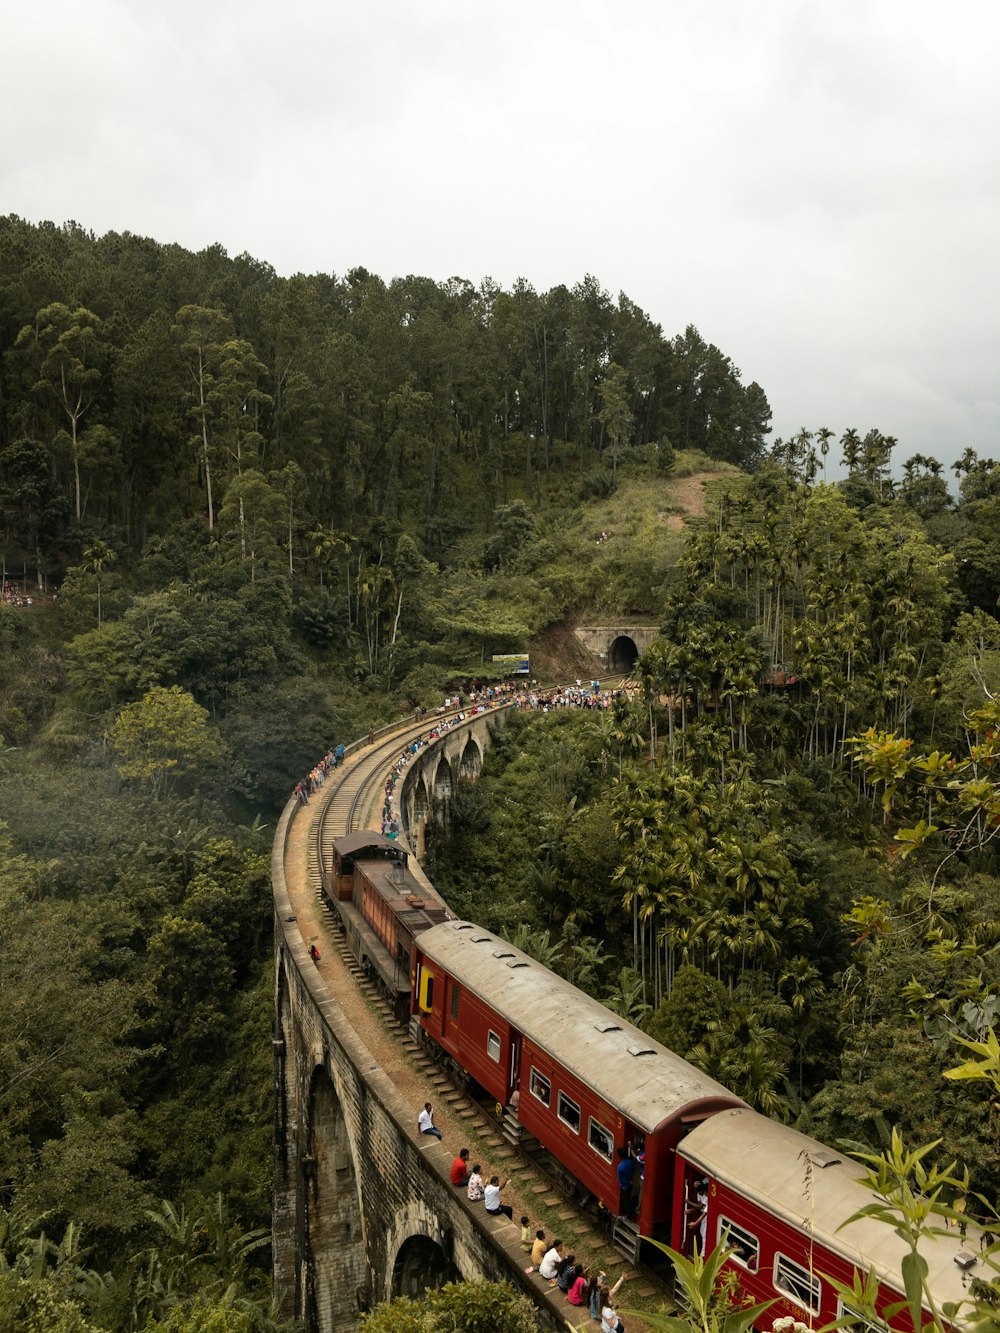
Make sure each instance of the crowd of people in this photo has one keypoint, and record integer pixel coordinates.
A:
(316, 776)
(591, 697)
(481, 697)
(481, 700)
(13, 596)
(582, 1287)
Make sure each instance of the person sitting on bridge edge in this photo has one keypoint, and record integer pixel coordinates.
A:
(525, 1234)
(564, 1273)
(491, 1198)
(538, 1248)
(551, 1261)
(426, 1121)
(460, 1168)
(476, 1189)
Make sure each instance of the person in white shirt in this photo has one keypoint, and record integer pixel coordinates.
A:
(491, 1198)
(610, 1323)
(425, 1121)
(551, 1261)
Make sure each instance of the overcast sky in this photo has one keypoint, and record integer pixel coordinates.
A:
(815, 184)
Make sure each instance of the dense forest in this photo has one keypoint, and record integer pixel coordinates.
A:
(245, 516)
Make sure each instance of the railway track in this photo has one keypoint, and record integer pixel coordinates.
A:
(347, 802)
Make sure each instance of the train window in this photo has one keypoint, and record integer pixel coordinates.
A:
(797, 1282)
(455, 992)
(743, 1245)
(600, 1139)
(857, 1322)
(493, 1046)
(540, 1087)
(569, 1113)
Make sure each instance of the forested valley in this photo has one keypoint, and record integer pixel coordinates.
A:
(245, 517)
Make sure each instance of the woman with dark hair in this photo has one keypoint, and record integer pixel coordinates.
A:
(594, 1293)
(564, 1273)
(577, 1293)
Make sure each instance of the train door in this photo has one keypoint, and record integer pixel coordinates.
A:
(514, 1071)
(427, 986)
(695, 1214)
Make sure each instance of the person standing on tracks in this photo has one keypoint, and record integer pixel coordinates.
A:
(425, 1121)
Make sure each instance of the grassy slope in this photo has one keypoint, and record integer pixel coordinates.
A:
(622, 575)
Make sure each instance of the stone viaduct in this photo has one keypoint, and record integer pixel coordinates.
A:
(618, 646)
(363, 1207)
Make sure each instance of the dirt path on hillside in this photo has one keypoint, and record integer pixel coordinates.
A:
(689, 495)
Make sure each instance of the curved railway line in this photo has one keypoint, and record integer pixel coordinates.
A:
(350, 800)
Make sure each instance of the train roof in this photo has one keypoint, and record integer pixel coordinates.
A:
(366, 840)
(625, 1067)
(407, 897)
(815, 1189)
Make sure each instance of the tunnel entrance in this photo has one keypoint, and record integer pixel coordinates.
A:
(421, 1265)
(623, 654)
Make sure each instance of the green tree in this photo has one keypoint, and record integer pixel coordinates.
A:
(164, 734)
(615, 414)
(201, 333)
(69, 351)
(460, 1307)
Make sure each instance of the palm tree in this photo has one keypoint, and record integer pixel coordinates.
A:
(824, 435)
(850, 442)
(96, 556)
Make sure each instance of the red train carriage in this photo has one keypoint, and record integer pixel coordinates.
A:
(382, 907)
(588, 1082)
(778, 1199)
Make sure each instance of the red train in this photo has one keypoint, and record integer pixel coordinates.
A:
(383, 907)
(585, 1084)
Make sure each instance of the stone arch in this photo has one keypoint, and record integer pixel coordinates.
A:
(443, 786)
(421, 803)
(622, 654)
(420, 1266)
(336, 1269)
(471, 762)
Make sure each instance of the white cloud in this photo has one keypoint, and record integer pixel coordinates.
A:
(816, 187)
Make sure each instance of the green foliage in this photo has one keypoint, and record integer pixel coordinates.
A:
(166, 734)
(459, 1307)
(712, 1305)
(33, 1306)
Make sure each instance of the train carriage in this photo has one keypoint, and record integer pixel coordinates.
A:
(382, 907)
(779, 1199)
(587, 1082)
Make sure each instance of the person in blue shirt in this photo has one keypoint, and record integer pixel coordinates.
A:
(626, 1175)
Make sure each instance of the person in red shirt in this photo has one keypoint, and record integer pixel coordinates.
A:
(460, 1168)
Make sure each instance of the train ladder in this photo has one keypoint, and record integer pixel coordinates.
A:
(626, 1239)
